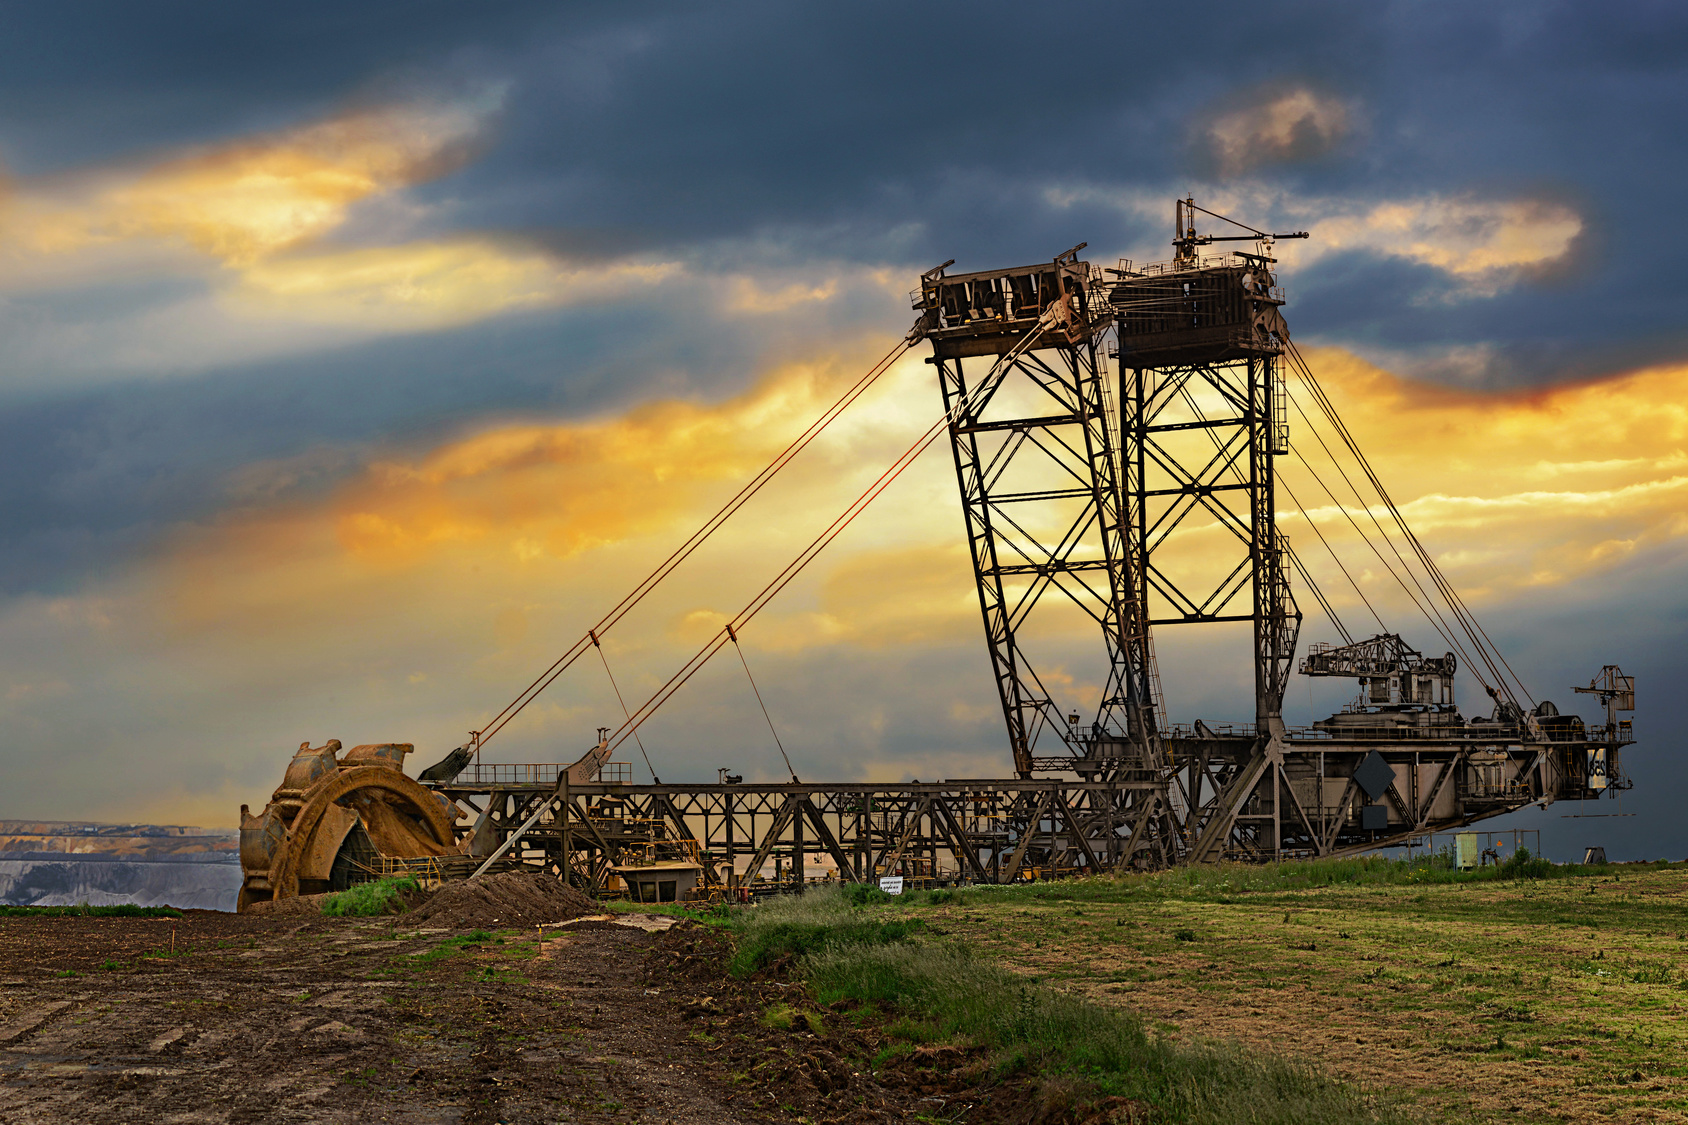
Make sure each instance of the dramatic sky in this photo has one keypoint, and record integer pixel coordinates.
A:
(355, 358)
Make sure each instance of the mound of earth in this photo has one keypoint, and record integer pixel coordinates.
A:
(509, 898)
(296, 907)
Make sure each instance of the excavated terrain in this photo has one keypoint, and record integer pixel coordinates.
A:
(313, 1019)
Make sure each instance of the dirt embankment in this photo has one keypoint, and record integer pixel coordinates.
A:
(512, 899)
(508, 899)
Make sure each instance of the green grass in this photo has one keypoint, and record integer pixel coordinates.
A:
(797, 925)
(366, 900)
(121, 910)
(1500, 998)
(946, 990)
(1038, 1029)
(452, 946)
(1229, 880)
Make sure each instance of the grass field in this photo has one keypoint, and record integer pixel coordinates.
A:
(1546, 999)
(865, 954)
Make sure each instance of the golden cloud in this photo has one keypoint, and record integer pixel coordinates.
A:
(240, 201)
(1273, 126)
(1486, 244)
(508, 542)
(509, 499)
(430, 284)
(1507, 490)
(257, 210)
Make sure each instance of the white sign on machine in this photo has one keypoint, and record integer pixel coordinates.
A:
(891, 884)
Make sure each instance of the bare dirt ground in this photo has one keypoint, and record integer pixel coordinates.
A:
(286, 1019)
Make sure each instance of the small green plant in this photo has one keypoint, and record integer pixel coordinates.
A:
(367, 900)
(1184, 935)
(500, 976)
(1522, 865)
(451, 946)
(864, 894)
(780, 1017)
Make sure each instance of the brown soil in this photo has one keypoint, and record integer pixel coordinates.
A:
(275, 1019)
(511, 899)
(299, 906)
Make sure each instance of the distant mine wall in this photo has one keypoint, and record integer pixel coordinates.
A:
(57, 863)
(65, 881)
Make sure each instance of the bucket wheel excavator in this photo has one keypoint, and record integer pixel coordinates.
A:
(334, 815)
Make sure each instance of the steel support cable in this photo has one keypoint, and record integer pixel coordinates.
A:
(740, 650)
(1444, 628)
(980, 392)
(1450, 597)
(1318, 594)
(1455, 602)
(757, 603)
(1329, 411)
(655, 780)
(1428, 607)
(1335, 558)
(1470, 626)
(685, 550)
(1360, 531)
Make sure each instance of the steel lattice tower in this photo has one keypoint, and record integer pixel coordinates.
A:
(1033, 438)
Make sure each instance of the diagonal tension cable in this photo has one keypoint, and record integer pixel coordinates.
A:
(1473, 629)
(1429, 612)
(697, 538)
(1455, 602)
(740, 650)
(1381, 627)
(981, 392)
(1440, 622)
(655, 780)
(1301, 569)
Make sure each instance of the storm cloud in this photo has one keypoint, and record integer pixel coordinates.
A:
(253, 258)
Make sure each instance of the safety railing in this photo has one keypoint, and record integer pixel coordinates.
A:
(1183, 265)
(1621, 733)
(536, 773)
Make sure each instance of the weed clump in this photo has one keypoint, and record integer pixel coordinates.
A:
(366, 900)
(864, 894)
(796, 926)
(1522, 865)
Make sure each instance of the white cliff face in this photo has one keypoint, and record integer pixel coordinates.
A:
(64, 864)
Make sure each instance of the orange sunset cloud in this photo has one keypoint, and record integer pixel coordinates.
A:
(257, 211)
(1510, 492)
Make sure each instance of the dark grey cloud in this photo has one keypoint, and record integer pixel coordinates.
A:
(773, 136)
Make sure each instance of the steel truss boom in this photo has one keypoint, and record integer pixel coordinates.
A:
(779, 836)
